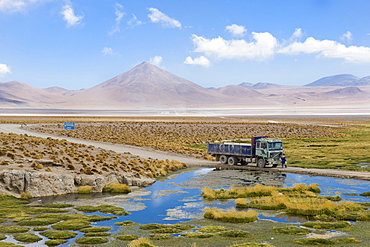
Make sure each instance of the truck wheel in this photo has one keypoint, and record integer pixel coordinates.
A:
(232, 160)
(223, 159)
(261, 163)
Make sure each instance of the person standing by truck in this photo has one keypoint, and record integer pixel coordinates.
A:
(283, 161)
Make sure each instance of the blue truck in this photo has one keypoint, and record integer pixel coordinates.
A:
(264, 151)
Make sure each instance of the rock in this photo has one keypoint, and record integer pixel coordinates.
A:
(41, 183)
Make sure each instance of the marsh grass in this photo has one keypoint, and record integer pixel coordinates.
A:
(7, 244)
(2, 237)
(41, 210)
(55, 205)
(326, 225)
(235, 234)
(39, 222)
(117, 188)
(160, 236)
(14, 229)
(166, 228)
(141, 242)
(92, 240)
(109, 209)
(55, 234)
(197, 235)
(345, 151)
(127, 237)
(292, 230)
(212, 229)
(126, 223)
(84, 189)
(230, 215)
(250, 244)
(96, 229)
(97, 234)
(259, 190)
(27, 237)
(71, 225)
(315, 241)
(55, 242)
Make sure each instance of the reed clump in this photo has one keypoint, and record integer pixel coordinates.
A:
(230, 215)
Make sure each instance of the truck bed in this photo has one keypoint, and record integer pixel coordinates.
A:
(239, 149)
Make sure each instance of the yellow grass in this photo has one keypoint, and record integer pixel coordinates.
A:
(230, 215)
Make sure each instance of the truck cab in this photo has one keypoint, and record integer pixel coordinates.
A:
(268, 151)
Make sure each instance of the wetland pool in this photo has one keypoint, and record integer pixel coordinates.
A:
(178, 197)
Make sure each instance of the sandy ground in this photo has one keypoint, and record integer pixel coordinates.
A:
(190, 161)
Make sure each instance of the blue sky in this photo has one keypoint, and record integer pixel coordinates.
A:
(79, 44)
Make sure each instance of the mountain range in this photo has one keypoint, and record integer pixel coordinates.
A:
(149, 87)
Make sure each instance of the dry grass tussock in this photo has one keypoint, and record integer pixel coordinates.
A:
(255, 191)
(230, 215)
(188, 137)
(51, 155)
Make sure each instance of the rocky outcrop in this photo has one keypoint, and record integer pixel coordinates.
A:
(42, 183)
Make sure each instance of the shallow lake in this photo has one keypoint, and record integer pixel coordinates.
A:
(177, 198)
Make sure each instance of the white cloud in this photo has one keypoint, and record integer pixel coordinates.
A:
(12, 5)
(157, 16)
(236, 30)
(70, 17)
(262, 48)
(156, 60)
(107, 51)
(328, 49)
(347, 37)
(119, 15)
(202, 60)
(134, 21)
(297, 34)
(4, 69)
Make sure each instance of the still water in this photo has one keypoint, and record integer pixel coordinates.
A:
(178, 198)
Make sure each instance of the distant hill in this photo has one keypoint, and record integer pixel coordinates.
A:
(347, 91)
(147, 87)
(238, 91)
(335, 80)
(21, 94)
(260, 85)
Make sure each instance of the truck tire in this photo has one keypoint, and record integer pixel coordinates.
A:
(261, 163)
(232, 160)
(223, 159)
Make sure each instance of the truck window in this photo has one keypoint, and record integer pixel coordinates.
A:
(275, 145)
(264, 145)
(258, 145)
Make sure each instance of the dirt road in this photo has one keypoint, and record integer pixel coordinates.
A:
(190, 161)
(119, 148)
